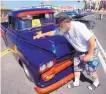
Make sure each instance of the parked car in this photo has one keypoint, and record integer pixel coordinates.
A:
(47, 62)
(72, 13)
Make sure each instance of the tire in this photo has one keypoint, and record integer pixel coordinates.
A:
(27, 73)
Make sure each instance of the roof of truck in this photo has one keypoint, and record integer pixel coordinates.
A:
(29, 11)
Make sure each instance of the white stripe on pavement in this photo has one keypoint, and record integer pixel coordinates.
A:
(101, 48)
(100, 56)
(103, 63)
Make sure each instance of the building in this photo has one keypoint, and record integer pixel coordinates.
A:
(102, 4)
(4, 13)
(99, 4)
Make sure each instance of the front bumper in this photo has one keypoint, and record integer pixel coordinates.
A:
(54, 86)
(57, 68)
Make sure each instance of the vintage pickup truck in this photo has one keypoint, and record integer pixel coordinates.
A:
(47, 62)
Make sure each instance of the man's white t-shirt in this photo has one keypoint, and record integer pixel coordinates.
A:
(78, 36)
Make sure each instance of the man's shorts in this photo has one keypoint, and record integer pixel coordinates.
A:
(80, 66)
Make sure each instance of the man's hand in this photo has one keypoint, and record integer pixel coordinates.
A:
(91, 46)
(86, 58)
(43, 35)
(38, 36)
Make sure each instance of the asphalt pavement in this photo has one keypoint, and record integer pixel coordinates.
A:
(100, 28)
(14, 81)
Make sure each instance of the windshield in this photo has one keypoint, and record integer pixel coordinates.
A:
(31, 21)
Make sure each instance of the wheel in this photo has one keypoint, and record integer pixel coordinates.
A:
(27, 72)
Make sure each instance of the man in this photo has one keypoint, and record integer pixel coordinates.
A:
(101, 14)
(83, 41)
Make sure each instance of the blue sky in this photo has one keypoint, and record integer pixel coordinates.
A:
(18, 4)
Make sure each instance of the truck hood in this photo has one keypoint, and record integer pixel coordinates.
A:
(57, 45)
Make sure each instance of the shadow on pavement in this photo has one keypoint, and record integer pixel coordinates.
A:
(85, 79)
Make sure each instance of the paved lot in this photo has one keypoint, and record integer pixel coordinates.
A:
(100, 28)
(14, 81)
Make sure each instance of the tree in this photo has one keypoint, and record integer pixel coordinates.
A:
(87, 4)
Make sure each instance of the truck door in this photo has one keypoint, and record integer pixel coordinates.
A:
(10, 34)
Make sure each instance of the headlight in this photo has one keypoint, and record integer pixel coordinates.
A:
(42, 68)
(46, 66)
(50, 64)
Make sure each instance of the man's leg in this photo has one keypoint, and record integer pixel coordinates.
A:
(77, 77)
(76, 81)
(95, 81)
(77, 72)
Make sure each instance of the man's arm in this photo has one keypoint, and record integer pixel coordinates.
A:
(51, 33)
(91, 47)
